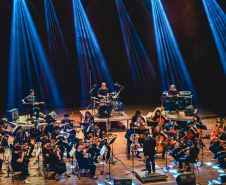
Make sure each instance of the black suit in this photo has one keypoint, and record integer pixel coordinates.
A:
(149, 150)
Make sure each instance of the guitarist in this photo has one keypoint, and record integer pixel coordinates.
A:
(31, 99)
(217, 146)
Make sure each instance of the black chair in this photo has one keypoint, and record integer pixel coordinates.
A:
(80, 170)
(16, 175)
(47, 171)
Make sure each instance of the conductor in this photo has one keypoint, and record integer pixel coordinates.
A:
(149, 152)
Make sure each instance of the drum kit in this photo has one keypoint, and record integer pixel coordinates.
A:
(107, 106)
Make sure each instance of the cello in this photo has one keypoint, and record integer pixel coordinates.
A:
(159, 140)
(160, 120)
(216, 130)
(171, 139)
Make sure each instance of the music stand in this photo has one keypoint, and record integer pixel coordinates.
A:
(7, 158)
(111, 143)
(71, 153)
(102, 151)
(37, 155)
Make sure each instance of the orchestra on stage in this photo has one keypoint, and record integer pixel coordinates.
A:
(159, 135)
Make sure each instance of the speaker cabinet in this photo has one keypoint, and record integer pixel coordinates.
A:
(12, 115)
(186, 179)
(189, 111)
(51, 117)
(123, 182)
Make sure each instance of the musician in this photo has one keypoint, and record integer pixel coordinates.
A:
(32, 100)
(220, 122)
(139, 123)
(137, 114)
(18, 137)
(59, 139)
(103, 139)
(157, 115)
(221, 156)
(172, 125)
(173, 104)
(191, 128)
(88, 121)
(191, 156)
(93, 150)
(149, 152)
(65, 121)
(56, 162)
(3, 136)
(46, 151)
(49, 128)
(129, 132)
(217, 147)
(103, 91)
(84, 162)
(28, 141)
(17, 163)
(157, 133)
(196, 120)
(38, 134)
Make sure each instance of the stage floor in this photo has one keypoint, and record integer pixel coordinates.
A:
(208, 173)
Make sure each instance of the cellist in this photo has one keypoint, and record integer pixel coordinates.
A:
(158, 133)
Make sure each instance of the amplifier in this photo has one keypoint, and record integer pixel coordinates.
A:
(123, 182)
(12, 115)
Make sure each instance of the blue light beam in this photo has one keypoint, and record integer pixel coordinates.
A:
(172, 67)
(217, 21)
(89, 53)
(28, 65)
(141, 68)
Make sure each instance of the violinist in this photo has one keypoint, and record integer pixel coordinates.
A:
(66, 121)
(3, 137)
(220, 140)
(38, 134)
(190, 131)
(174, 103)
(88, 120)
(18, 137)
(56, 162)
(196, 120)
(93, 150)
(157, 133)
(28, 141)
(191, 156)
(128, 135)
(17, 163)
(46, 151)
(103, 139)
(137, 114)
(49, 128)
(59, 139)
(84, 162)
(149, 152)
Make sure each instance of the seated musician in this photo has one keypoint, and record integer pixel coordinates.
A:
(221, 157)
(46, 152)
(49, 128)
(149, 152)
(38, 134)
(157, 133)
(17, 163)
(171, 128)
(66, 121)
(137, 114)
(18, 137)
(217, 146)
(103, 139)
(129, 132)
(191, 156)
(32, 100)
(173, 104)
(28, 142)
(139, 123)
(56, 162)
(190, 131)
(93, 150)
(3, 136)
(84, 162)
(102, 93)
(88, 121)
(59, 140)
(196, 120)
(157, 116)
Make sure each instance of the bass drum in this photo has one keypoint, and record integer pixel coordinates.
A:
(103, 111)
(120, 106)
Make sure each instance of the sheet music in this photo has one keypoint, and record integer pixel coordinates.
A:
(71, 153)
(38, 151)
(14, 129)
(7, 156)
(103, 149)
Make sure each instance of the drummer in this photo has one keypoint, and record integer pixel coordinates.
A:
(103, 91)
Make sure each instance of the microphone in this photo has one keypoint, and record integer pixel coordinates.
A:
(94, 85)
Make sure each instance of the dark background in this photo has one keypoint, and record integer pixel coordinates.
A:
(188, 21)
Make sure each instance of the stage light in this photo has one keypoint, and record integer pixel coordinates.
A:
(217, 21)
(171, 63)
(143, 75)
(28, 65)
(90, 57)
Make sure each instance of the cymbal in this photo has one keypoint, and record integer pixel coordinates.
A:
(113, 93)
(96, 102)
(114, 96)
(94, 98)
